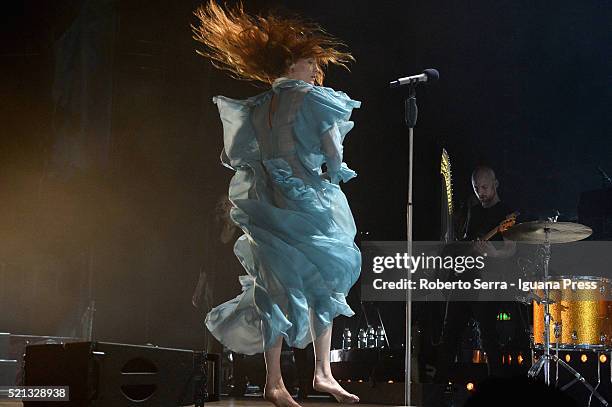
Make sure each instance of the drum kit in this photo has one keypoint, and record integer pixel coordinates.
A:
(579, 320)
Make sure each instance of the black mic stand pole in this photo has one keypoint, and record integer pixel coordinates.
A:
(411, 118)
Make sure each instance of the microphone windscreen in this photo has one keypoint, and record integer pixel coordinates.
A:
(432, 74)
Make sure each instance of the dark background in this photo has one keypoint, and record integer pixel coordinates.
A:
(109, 149)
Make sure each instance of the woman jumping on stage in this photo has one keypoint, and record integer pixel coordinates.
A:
(298, 244)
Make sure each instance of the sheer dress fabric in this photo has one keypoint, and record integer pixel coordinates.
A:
(298, 247)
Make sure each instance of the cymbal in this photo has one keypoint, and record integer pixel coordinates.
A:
(560, 232)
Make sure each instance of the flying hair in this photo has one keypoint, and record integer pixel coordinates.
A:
(261, 49)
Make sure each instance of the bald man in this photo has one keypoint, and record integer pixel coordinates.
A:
(487, 214)
(485, 186)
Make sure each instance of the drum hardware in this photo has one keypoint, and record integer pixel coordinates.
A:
(593, 390)
(593, 367)
(557, 332)
(548, 233)
(544, 361)
(598, 379)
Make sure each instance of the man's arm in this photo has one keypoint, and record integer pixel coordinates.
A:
(507, 250)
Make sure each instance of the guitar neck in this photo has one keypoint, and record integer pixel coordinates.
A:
(491, 233)
(502, 227)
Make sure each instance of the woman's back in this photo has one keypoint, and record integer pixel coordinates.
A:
(273, 122)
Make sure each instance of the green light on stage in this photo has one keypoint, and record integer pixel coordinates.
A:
(504, 316)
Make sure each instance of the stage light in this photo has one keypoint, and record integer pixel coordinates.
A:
(504, 316)
(390, 382)
(519, 359)
(568, 358)
(509, 359)
(603, 358)
(478, 356)
(583, 358)
(360, 381)
(348, 380)
(469, 386)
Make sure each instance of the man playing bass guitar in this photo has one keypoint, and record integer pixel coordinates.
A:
(483, 223)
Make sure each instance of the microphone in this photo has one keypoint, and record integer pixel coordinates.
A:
(428, 75)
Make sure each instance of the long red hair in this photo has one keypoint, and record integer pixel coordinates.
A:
(261, 49)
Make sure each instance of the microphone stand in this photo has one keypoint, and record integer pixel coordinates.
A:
(411, 112)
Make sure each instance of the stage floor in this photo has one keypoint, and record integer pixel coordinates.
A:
(241, 403)
(262, 403)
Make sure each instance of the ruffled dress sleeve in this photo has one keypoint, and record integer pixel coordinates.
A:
(239, 142)
(321, 125)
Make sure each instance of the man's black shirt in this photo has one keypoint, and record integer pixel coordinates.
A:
(482, 220)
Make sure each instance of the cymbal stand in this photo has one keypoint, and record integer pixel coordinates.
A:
(557, 331)
(545, 359)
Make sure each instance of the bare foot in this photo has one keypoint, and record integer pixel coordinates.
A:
(279, 396)
(328, 384)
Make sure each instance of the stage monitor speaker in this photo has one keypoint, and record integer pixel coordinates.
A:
(101, 374)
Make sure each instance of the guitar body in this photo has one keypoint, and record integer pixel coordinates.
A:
(467, 248)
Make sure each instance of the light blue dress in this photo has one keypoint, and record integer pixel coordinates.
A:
(298, 246)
